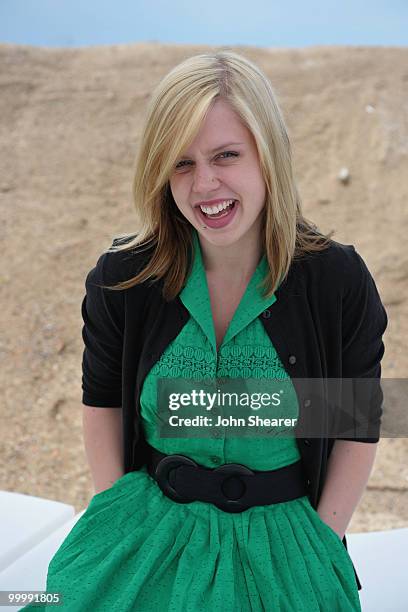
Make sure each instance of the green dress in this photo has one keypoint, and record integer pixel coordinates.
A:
(136, 549)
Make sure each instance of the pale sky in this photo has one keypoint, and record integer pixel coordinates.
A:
(268, 23)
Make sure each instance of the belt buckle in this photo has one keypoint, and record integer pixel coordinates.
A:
(162, 472)
(233, 470)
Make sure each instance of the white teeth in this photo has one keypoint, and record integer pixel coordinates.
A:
(212, 210)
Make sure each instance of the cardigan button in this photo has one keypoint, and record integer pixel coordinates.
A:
(307, 442)
(266, 314)
(292, 359)
(307, 403)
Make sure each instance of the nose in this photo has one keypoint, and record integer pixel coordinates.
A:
(204, 179)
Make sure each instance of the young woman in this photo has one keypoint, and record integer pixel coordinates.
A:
(224, 281)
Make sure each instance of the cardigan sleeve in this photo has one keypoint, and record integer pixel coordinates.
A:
(364, 321)
(102, 333)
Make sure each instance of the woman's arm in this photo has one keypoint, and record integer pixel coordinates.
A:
(348, 470)
(102, 429)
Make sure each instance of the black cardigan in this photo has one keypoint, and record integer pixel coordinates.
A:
(327, 322)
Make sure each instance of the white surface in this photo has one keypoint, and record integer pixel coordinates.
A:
(381, 562)
(25, 521)
(29, 572)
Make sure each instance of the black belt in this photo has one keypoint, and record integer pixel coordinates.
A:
(231, 487)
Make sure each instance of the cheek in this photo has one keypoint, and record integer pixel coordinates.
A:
(255, 189)
(177, 190)
(180, 197)
(173, 189)
(259, 184)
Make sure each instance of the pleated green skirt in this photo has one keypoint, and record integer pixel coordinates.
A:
(134, 549)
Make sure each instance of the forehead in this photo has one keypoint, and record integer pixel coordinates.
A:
(221, 126)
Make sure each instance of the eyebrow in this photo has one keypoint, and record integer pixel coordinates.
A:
(223, 146)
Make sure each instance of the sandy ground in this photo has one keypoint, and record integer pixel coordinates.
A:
(69, 130)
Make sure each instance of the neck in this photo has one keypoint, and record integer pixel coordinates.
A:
(236, 262)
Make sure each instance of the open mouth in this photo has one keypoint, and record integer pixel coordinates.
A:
(226, 208)
(218, 216)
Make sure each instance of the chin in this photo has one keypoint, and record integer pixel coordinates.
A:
(218, 238)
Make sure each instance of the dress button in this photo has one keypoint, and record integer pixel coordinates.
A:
(266, 314)
(307, 442)
(215, 460)
(292, 359)
(307, 403)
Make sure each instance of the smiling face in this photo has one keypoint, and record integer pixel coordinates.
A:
(221, 171)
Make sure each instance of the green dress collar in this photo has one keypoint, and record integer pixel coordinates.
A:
(196, 298)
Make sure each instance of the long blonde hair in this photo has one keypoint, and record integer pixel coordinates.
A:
(174, 115)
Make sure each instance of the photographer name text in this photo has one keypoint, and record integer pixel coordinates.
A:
(230, 421)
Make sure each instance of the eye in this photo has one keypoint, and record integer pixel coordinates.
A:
(228, 153)
(181, 164)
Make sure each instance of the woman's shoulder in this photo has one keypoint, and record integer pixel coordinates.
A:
(335, 253)
(339, 264)
(115, 265)
(347, 260)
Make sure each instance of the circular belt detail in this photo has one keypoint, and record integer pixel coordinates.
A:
(162, 475)
(232, 472)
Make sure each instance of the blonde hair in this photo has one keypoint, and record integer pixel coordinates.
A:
(175, 113)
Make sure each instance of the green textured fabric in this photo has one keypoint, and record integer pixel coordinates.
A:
(135, 549)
